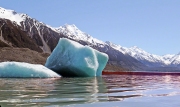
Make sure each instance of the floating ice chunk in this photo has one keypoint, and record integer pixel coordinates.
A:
(70, 58)
(25, 70)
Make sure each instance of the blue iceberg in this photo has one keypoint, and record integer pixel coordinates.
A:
(70, 58)
(25, 70)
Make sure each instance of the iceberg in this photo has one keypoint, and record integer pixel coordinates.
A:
(71, 59)
(25, 70)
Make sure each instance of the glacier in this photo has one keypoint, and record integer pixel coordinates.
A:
(25, 70)
(71, 59)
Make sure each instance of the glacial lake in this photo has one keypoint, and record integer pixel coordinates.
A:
(105, 91)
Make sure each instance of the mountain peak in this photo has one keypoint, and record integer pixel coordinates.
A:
(72, 26)
(135, 48)
(12, 15)
(73, 32)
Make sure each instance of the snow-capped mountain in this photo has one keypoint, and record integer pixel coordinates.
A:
(12, 15)
(20, 30)
(168, 57)
(73, 32)
(147, 58)
(33, 26)
(175, 60)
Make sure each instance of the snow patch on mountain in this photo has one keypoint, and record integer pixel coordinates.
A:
(117, 47)
(73, 32)
(175, 60)
(143, 56)
(12, 15)
(168, 57)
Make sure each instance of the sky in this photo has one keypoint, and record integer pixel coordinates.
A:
(152, 25)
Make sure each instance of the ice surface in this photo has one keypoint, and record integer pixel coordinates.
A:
(70, 58)
(25, 70)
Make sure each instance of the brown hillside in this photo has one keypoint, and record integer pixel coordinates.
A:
(22, 55)
(15, 36)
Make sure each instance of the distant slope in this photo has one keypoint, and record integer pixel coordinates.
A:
(150, 60)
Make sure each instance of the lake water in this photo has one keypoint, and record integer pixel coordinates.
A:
(105, 91)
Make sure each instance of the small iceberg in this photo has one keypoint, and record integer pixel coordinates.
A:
(25, 70)
(71, 59)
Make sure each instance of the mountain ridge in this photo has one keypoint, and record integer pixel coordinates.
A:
(145, 57)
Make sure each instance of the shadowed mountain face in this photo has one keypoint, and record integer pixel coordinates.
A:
(11, 35)
(43, 36)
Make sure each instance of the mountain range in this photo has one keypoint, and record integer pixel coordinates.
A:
(22, 31)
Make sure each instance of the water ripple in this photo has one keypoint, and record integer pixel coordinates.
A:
(115, 89)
